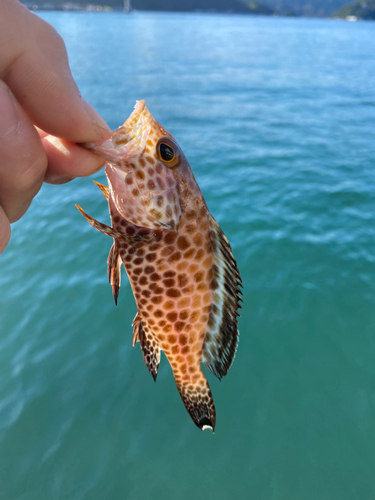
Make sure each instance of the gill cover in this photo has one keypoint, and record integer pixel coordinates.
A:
(153, 204)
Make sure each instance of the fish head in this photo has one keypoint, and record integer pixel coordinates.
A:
(142, 163)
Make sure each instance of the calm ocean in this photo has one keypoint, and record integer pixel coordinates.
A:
(277, 118)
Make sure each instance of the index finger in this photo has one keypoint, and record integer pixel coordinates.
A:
(35, 66)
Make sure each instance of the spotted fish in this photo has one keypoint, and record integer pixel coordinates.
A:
(180, 265)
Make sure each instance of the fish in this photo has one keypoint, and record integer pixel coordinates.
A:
(180, 265)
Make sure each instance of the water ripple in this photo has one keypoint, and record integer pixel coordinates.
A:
(276, 119)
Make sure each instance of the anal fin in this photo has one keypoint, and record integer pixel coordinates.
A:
(114, 270)
(149, 346)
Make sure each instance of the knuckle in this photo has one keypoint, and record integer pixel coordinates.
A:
(51, 37)
(33, 174)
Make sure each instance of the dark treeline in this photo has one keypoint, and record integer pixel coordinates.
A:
(359, 9)
(312, 8)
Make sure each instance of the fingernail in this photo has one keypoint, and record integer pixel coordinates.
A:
(99, 168)
(57, 178)
(97, 121)
(20, 212)
(8, 113)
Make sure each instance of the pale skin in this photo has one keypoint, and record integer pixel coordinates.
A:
(42, 115)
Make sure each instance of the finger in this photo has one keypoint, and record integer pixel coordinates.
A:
(23, 162)
(35, 66)
(4, 230)
(67, 160)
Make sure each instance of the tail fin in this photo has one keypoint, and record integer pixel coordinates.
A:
(198, 401)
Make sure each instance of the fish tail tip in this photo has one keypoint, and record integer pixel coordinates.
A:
(206, 424)
(200, 405)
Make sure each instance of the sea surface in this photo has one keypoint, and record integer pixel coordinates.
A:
(277, 118)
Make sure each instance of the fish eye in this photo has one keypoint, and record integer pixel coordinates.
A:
(168, 152)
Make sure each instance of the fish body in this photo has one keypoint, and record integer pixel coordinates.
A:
(180, 265)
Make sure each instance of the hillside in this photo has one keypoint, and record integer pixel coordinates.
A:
(311, 8)
(203, 5)
(235, 6)
(359, 9)
(323, 8)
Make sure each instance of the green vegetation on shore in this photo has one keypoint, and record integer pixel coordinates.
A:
(360, 10)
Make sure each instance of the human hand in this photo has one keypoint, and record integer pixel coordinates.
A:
(42, 114)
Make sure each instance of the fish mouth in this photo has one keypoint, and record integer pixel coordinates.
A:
(127, 141)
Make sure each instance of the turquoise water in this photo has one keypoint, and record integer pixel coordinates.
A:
(277, 118)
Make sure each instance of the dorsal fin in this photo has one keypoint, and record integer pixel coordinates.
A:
(221, 339)
(114, 270)
(149, 346)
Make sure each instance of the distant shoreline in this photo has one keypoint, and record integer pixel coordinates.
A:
(108, 8)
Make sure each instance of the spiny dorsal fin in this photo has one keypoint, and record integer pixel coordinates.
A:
(149, 346)
(221, 339)
(103, 188)
(114, 270)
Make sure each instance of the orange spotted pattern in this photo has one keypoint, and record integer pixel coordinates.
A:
(183, 275)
